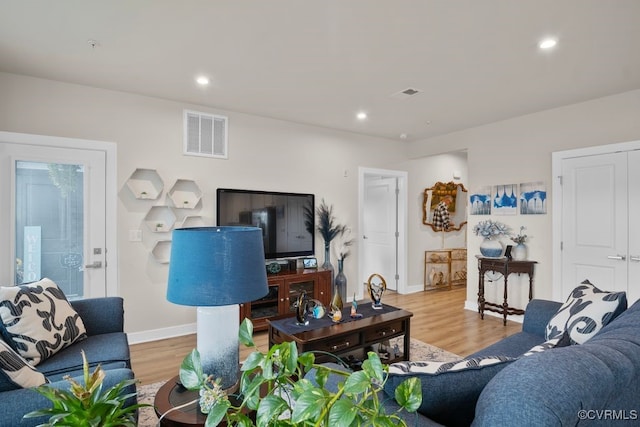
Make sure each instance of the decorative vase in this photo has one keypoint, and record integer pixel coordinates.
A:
(519, 252)
(327, 258)
(336, 299)
(340, 281)
(491, 248)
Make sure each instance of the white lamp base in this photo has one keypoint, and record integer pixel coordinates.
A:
(217, 342)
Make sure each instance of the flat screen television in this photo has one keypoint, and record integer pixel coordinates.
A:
(286, 219)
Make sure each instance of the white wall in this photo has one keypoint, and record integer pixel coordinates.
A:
(519, 150)
(264, 154)
(424, 173)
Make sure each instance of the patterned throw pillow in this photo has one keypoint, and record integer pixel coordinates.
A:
(436, 367)
(450, 390)
(38, 321)
(585, 312)
(17, 371)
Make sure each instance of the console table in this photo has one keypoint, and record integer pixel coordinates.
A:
(506, 267)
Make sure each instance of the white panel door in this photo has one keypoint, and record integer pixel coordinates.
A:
(594, 223)
(55, 224)
(379, 237)
(633, 291)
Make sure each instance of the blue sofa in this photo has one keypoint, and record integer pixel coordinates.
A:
(106, 344)
(595, 383)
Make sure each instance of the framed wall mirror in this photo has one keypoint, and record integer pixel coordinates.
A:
(457, 208)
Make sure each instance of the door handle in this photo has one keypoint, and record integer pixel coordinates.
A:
(635, 258)
(365, 237)
(617, 257)
(94, 264)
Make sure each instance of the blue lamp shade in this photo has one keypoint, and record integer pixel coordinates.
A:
(214, 266)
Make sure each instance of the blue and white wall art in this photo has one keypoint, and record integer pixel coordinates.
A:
(505, 199)
(480, 201)
(533, 198)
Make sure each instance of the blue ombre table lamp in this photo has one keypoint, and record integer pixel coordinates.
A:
(215, 269)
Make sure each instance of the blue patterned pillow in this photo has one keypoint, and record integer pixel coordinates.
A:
(17, 371)
(38, 321)
(586, 311)
(450, 390)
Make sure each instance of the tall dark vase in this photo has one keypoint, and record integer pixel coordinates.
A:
(339, 287)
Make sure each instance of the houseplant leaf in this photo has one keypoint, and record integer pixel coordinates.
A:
(191, 374)
(342, 413)
(409, 394)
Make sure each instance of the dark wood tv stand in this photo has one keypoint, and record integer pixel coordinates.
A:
(284, 289)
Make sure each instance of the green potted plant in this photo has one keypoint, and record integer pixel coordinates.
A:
(273, 388)
(85, 405)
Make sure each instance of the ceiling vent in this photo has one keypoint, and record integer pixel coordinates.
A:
(205, 134)
(406, 93)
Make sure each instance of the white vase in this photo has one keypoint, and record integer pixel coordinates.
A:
(491, 248)
(519, 252)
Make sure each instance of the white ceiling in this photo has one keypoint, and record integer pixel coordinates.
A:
(319, 62)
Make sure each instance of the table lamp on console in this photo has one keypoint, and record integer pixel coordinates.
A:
(215, 269)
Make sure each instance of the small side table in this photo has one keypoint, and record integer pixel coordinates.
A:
(173, 394)
(505, 267)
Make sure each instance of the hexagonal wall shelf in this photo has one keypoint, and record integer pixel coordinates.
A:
(145, 184)
(160, 219)
(185, 194)
(162, 251)
(192, 221)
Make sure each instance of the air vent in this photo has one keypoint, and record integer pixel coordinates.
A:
(406, 93)
(205, 134)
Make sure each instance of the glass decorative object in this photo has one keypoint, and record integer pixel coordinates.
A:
(376, 286)
(340, 282)
(302, 310)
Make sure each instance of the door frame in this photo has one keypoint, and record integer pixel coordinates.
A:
(556, 198)
(402, 220)
(111, 192)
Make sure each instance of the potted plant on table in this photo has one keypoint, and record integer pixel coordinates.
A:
(519, 251)
(274, 388)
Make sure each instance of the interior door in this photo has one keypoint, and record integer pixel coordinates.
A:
(633, 291)
(380, 229)
(55, 224)
(595, 221)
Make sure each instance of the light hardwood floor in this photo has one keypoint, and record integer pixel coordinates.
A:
(439, 318)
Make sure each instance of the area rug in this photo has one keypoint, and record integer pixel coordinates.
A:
(419, 351)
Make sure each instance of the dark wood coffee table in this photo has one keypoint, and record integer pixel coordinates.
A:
(351, 337)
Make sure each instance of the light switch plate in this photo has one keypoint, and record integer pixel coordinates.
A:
(135, 235)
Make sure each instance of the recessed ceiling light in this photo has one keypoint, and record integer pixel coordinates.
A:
(202, 80)
(361, 115)
(547, 43)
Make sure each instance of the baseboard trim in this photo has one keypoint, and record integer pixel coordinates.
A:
(473, 306)
(161, 334)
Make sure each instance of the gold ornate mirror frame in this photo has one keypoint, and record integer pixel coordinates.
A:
(457, 208)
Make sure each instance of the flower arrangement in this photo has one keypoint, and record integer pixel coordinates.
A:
(520, 238)
(489, 228)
